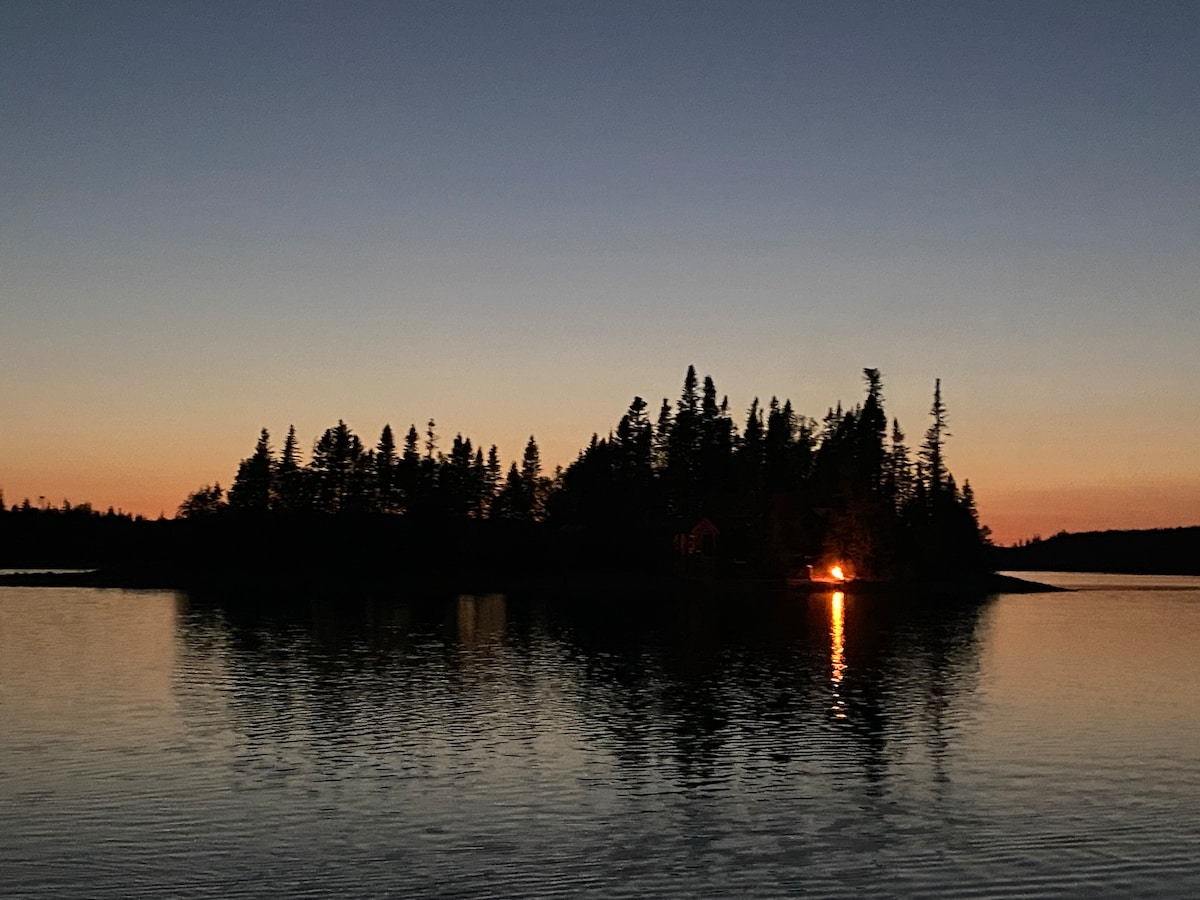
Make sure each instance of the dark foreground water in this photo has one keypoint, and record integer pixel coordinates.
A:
(155, 744)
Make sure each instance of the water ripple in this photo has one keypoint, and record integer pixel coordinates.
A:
(490, 746)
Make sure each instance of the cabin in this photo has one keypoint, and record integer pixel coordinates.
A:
(699, 540)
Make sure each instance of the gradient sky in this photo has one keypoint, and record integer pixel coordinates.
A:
(512, 217)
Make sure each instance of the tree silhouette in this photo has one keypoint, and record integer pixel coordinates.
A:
(932, 448)
(683, 447)
(788, 489)
(387, 473)
(513, 501)
(534, 488)
(336, 459)
(491, 479)
(204, 501)
(253, 487)
(289, 476)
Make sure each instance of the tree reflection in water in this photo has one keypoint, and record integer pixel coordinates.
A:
(693, 687)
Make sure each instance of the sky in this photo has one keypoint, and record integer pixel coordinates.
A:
(513, 217)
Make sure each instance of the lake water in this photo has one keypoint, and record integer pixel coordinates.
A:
(156, 744)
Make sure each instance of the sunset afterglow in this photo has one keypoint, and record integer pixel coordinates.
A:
(512, 219)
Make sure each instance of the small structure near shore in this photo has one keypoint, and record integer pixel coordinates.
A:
(699, 540)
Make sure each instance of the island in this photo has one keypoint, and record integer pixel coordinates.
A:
(687, 494)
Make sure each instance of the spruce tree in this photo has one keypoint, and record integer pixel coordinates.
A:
(932, 450)
(899, 485)
(871, 433)
(253, 487)
(408, 470)
(513, 501)
(491, 479)
(661, 445)
(289, 476)
(683, 448)
(531, 481)
(387, 466)
(337, 457)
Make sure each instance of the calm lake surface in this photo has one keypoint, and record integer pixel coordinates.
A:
(155, 743)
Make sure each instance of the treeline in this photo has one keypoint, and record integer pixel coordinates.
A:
(45, 534)
(778, 491)
(344, 476)
(1152, 551)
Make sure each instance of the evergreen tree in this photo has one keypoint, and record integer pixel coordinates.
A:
(899, 483)
(362, 494)
(427, 478)
(634, 440)
(532, 482)
(478, 494)
(777, 444)
(289, 476)
(932, 450)
(254, 485)
(491, 479)
(513, 500)
(409, 469)
(871, 433)
(387, 472)
(455, 481)
(967, 501)
(337, 456)
(683, 448)
(715, 446)
(752, 434)
(804, 448)
(431, 439)
(661, 444)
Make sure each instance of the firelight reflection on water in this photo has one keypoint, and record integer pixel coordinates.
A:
(570, 744)
(837, 649)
